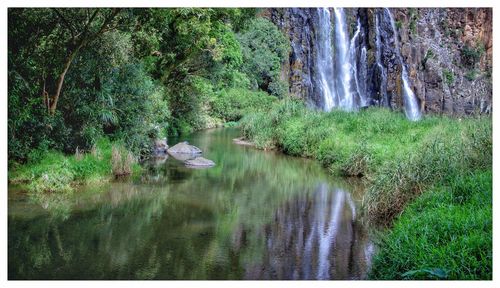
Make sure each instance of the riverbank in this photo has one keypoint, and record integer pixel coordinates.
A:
(49, 174)
(403, 162)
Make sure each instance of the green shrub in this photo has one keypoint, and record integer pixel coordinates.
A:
(57, 179)
(471, 75)
(264, 49)
(232, 104)
(448, 77)
(472, 55)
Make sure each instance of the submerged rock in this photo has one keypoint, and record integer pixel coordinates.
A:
(184, 148)
(183, 156)
(199, 162)
(243, 141)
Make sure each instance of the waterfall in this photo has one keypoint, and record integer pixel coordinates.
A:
(339, 83)
(343, 62)
(325, 60)
(410, 100)
(363, 62)
(353, 48)
(342, 74)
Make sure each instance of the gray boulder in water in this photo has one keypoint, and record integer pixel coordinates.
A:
(199, 162)
(184, 148)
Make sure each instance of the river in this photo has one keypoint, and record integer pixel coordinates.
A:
(255, 215)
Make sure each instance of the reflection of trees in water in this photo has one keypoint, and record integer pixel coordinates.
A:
(313, 238)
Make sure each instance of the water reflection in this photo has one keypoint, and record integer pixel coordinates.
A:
(314, 237)
(256, 215)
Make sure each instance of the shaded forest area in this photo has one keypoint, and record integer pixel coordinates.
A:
(133, 75)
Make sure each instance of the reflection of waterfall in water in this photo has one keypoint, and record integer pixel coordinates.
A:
(315, 237)
(325, 60)
(327, 239)
(410, 100)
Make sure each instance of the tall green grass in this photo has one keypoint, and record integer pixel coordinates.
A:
(448, 229)
(53, 172)
(402, 161)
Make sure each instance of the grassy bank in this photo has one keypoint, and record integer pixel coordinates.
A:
(443, 234)
(49, 173)
(403, 162)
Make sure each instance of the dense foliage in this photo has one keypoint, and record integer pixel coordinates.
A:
(264, 49)
(77, 75)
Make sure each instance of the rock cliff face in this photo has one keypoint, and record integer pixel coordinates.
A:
(447, 53)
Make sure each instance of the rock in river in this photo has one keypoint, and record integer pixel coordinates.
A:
(199, 162)
(184, 148)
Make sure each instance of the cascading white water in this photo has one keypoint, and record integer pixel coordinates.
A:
(410, 100)
(363, 75)
(325, 60)
(343, 64)
(343, 73)
(339, 84)
(353, 48)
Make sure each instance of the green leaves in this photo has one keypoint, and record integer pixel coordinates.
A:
(264, 48)
(427, 273)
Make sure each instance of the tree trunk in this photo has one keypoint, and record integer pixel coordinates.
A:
(60, 81)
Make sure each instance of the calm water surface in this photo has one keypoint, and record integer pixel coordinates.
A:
(255, 215)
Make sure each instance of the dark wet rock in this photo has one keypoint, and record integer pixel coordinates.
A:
(199, 162)
(184, 148)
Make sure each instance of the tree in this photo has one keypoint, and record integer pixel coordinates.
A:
(95, 23)
(264, 48)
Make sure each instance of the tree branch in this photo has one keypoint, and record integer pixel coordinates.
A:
(66, 23)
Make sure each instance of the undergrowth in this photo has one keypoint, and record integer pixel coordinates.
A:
(52, 172)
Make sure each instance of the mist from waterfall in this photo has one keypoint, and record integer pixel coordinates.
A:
(412, 110)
